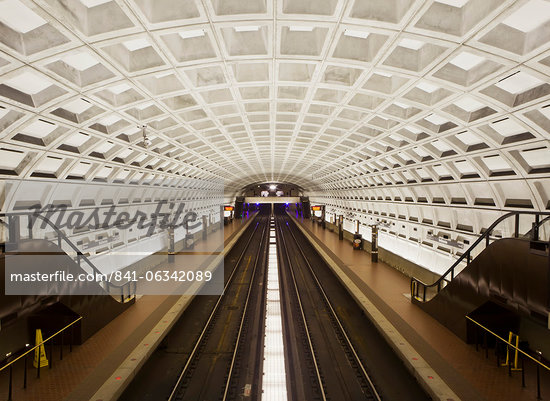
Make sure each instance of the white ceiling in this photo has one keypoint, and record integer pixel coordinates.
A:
(328, 94)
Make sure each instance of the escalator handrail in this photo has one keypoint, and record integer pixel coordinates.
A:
(62, 236)
(538, 225)
(483, 236)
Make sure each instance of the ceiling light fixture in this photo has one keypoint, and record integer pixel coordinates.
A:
(191, 34)
(300, 28)
(356, 34)
(247, 28)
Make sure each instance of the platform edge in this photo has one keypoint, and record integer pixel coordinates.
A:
(123, 375)
(430, 381)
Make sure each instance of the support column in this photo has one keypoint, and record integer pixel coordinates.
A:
(171, 244)
(14, 233)
(357, 238)
(341, 227)
(374, 244)
(204, 227)
(189, 243)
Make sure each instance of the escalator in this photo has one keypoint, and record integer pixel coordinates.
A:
(21, 315)
(504, 286)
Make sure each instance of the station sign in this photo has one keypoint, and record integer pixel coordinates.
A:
(228, 208)
(316, 208)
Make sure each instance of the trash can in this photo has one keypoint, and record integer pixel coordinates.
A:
(189, 241)
(357, 242)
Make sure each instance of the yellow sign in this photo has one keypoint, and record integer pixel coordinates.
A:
(40, 352)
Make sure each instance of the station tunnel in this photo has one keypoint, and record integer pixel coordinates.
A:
(274, 200)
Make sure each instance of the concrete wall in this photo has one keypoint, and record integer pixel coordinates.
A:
(155, 259)
(405, 266)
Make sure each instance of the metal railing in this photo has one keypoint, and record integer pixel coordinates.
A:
(23, 357)
(502, 344)
(420, 290)
(125, 291)
(534, 231)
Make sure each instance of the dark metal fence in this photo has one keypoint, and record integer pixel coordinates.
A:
(504, 348)
(48, 344)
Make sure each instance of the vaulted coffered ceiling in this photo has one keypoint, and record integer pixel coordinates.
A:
(328, 94)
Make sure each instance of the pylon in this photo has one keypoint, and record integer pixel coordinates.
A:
(40, 352)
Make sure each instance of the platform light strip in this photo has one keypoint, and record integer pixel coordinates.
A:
(274, 374)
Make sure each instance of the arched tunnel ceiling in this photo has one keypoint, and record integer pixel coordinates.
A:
(328, 94)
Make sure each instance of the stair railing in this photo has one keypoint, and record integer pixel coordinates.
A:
(124, 292)
(533, 233)
(421, 290)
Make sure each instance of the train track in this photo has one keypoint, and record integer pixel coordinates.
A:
(320, 352)
(215, 350)
(214, 364)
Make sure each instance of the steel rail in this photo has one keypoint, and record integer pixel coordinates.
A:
(211, 317)
(302, 313)
(245, 308)
(337, 319)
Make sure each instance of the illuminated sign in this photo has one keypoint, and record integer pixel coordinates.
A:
(316, 208)
(228, 208)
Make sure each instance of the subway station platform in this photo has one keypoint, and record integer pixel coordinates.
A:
(122, 120)
(81, 373)
(101, 367)
(468, 373)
